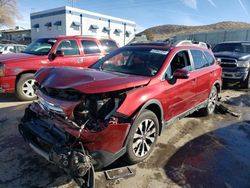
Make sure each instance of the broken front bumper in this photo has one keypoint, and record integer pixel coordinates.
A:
(45, 133)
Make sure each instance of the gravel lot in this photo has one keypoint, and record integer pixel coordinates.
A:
(188, 152)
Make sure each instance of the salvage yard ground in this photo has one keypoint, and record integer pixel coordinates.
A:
(196, 151)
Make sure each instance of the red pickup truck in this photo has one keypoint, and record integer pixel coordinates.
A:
(17, 70)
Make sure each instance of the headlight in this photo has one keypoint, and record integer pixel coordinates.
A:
(1, 70)
(243, 64)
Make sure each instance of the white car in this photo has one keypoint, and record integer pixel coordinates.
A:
(11, 48)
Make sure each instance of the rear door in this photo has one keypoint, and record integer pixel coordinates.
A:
(179, 93)
(203, 72)
(108, 45)
(92, 52)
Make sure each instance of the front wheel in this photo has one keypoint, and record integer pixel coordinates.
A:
(142, 137)
(25, 87)
(211, 102)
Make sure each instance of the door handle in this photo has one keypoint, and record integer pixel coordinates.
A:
(80, 60)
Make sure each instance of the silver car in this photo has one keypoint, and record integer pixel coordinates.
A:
(11, 48)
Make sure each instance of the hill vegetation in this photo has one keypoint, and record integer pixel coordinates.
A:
(166, 31)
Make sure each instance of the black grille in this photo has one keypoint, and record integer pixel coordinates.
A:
(228, 62)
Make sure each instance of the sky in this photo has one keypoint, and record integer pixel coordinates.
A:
(148, 13)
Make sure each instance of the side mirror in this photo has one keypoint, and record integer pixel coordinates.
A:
(59, 53)
(181, 74)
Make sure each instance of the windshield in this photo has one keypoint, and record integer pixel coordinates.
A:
(40, 47)
(137, 61)
(1, 46)
(232, 47)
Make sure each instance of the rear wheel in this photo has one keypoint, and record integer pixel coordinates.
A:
(25, 87)
(212, 101)
(142, 137)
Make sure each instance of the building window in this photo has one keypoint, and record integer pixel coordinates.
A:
(58, 25)
(128, 33)
(76, 26)
(93, 28)
(48, 25)
(117, 32)
(36, 27)
(106, 30)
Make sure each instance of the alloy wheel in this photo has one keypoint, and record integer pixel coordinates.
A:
(28, 88)
(144, 137)
(212, 100)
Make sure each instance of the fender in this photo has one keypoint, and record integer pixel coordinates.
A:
(155, 102)
(217, 82)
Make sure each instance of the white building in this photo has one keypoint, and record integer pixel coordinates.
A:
(74, 21)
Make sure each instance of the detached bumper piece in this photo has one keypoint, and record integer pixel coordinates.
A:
(57, 147)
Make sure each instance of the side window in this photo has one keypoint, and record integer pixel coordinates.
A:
(69, 47)
(11, 49)
(90, 47)
(108, 45)
(180, 61)
(209, 58)
(199, 58)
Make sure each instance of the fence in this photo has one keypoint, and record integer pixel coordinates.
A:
(215, 37)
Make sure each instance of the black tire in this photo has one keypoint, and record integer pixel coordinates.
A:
(23, 87)
(212, 102)
(246, 83)
(148, 138)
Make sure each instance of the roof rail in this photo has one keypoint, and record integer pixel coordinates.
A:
(148, 43)
(192, 43)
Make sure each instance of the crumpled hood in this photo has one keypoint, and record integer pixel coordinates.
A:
(8, 58)
(235, 55)
(88, 81)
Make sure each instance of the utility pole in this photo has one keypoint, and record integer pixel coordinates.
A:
(72, 2)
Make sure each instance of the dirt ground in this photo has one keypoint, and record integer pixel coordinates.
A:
(186, 151)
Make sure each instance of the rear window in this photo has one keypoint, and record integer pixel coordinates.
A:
(199, 59)
(108, 45)
(209, 58)
(90, 47)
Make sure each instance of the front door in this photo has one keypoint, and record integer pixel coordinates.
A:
(180, 93)
(71, 54)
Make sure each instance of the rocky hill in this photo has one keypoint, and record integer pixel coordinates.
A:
(166, 31)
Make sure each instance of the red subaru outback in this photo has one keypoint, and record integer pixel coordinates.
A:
(120, 105)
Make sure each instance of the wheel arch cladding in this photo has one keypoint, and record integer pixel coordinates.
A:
(217, 84)
(156, 107)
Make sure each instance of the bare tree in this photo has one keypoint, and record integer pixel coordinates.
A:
(8, 12)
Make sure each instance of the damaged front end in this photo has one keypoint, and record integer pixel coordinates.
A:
(76, 131)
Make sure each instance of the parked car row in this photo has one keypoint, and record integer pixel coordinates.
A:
(11, 48)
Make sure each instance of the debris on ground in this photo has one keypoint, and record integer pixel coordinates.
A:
(222, 109)
(118, 173)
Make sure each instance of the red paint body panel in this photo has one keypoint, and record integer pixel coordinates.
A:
(8, 85)
(16, 64)
(88, 81)
(110, 139)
